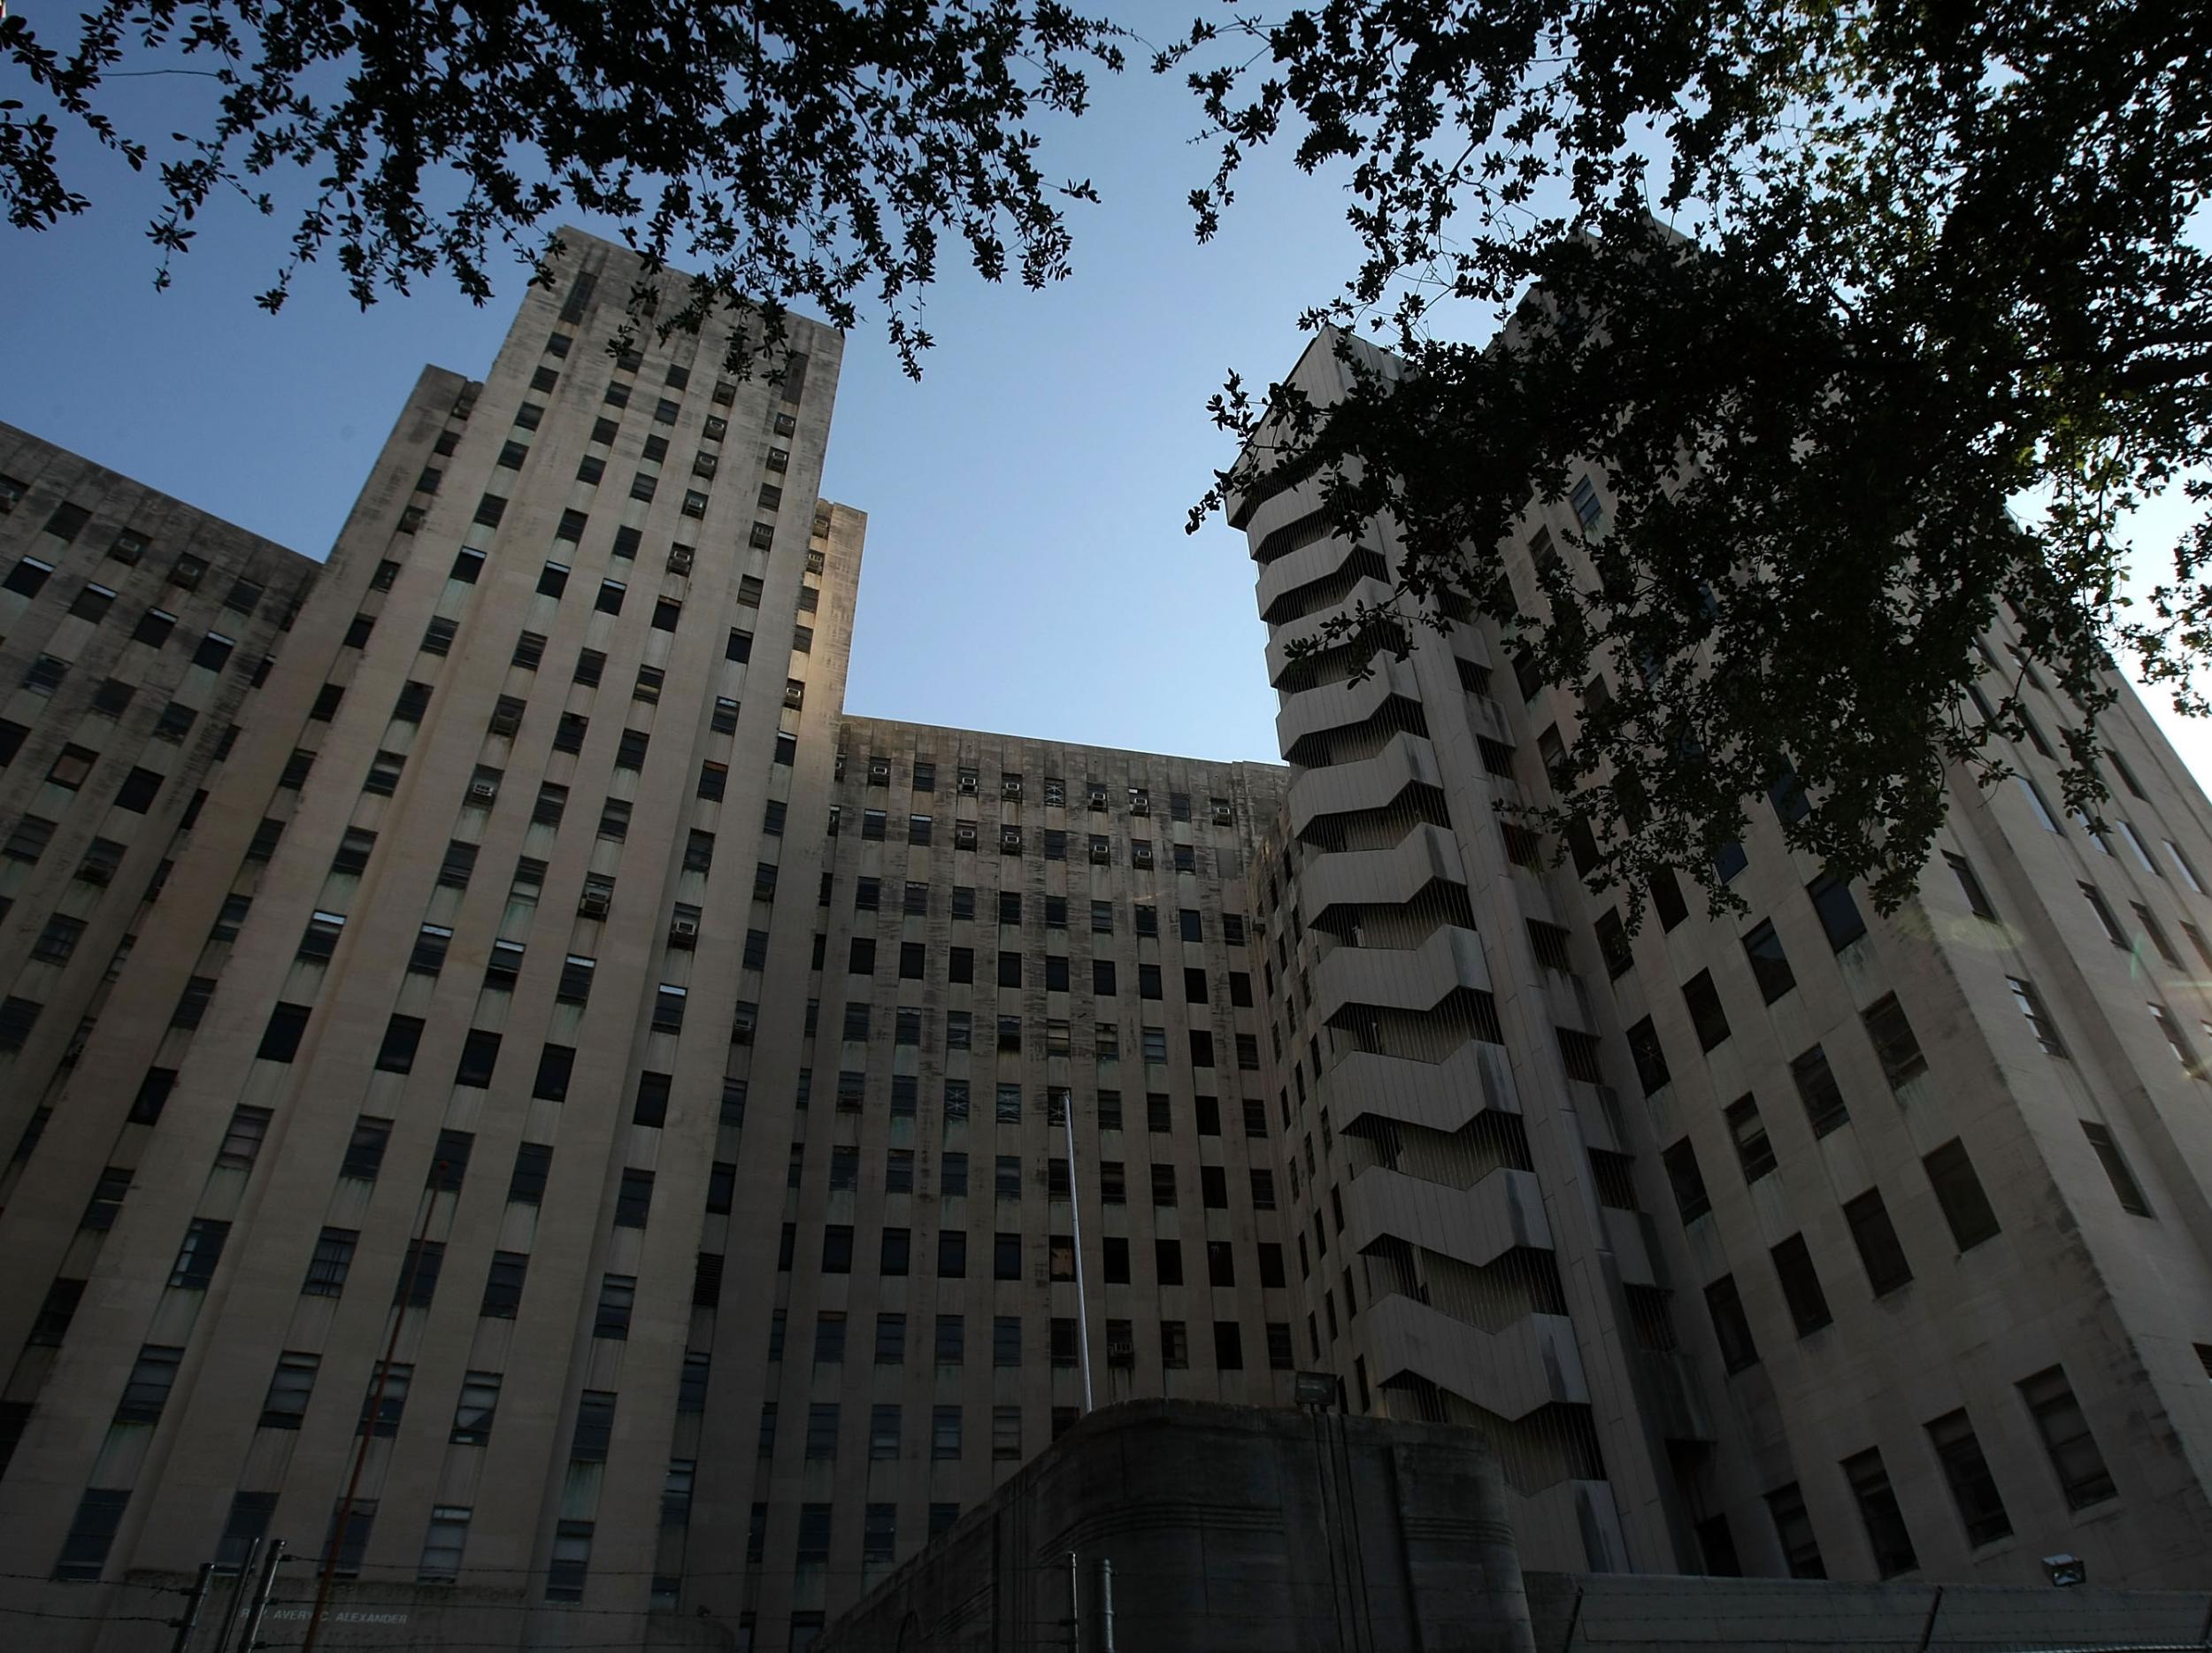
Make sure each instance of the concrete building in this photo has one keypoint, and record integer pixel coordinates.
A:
(525, 980)
(1813, 1243)
(603, 1150)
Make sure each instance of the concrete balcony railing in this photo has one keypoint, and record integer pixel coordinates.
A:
(1278, 509)
(1474, 1226)
(1339, 705)
(1441, 1096)
(1294, 568)
(1367, 878)
(1405, 979)
(1510, 1373)
(1370, 591)
(1368, 784)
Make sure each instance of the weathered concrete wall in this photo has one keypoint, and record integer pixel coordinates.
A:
(1590, 1613)
(1227, 1528)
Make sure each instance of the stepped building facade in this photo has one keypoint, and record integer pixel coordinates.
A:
(512, 1094)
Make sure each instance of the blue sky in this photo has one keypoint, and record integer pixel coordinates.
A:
(1027, 567)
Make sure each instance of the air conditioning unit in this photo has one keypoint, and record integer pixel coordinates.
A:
(683, 933)
(880, 771)
(963, 836)
(96, 872)
(1141, 803)
(593, 901)
(1009, 789)
(1098, 797)
(1102, 853)
(794, 692)
(483, 791)
(837, 816)
(1224, 815)
(505, 722)
(1010, 839)
(680, 560)
(967, 786)
(1141, 855)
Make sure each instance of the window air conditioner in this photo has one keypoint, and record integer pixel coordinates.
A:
(483, 791)
(594, 903)
(683, 933)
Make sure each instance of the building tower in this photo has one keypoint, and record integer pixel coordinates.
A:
(1812, 1242)
(580, 1142)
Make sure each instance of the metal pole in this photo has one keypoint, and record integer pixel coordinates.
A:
(190, 1619)
(1075, 1612)
(238, 1596)
(1075, 1207)
(344, 1514)
(1106, 1574)
(261, 1597)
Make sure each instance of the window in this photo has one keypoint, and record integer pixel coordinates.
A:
(1770, 967)
(146, 1391)
(1750, 1136)
(533, 1162)
(84, 1550)
(1959, 1191)
(1838, 913)
(1706, 1014)
(1879, 1249)
(332, 1262)
(2079, 1466)
(1650, 1057)
(1732, 1327)
(280, 1039)
(2125, 1186)
(2025, 996)
(1800, 1285)
(945, 1433)
(594, 1427)
(1006, 1433)
(293, 1382)
(1687, 1181)
(1817, 1089)
(241, 1142)
(1893, 1041)
(480, 1055)
(2175, 1041)
(138, 791)
(197, 1256)
(1973, 1489)
(1884, 1522)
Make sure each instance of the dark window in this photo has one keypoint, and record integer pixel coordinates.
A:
(1688, 1183)
(2125, 1186)
(1817, 1089)
(138, 791)
(1769, 964)
(1959, 1191)
(1838, 913)
(1800, 1285)
(480, 1054)
(1706, 1014)
(1730, 1326)
(1893, 1041)
(1649, 1056)
(280, 1039)
(2079, 1466)
(1973, 1489)
(1886, 1529)
(1879, 1249)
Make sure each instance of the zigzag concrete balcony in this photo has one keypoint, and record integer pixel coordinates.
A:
(1370, 591)
(1368, 783)
(1262, 517)
(1401, 977)
(1336, 705)
(1315, 561)
(1441, 1096)
(1295, 605)
(1367, 878)
(1532, 1363)
(1474, 1226)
